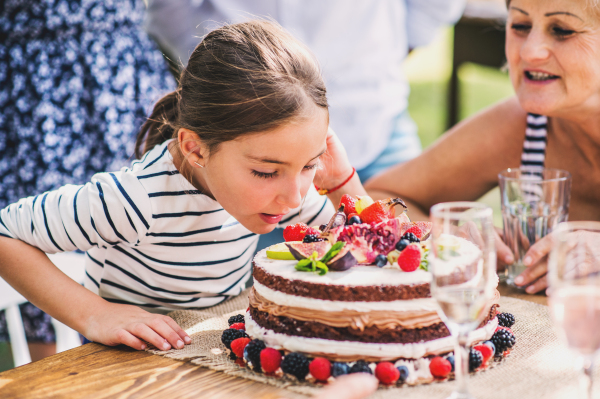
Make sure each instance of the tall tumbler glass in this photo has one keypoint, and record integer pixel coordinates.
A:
(574, 291)
(463, 268)
(532, 205)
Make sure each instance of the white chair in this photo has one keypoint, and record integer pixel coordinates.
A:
(73, 265)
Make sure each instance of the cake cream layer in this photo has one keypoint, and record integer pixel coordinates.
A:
(360, 283)
(358, 320)
(352, 351)
(322, 305)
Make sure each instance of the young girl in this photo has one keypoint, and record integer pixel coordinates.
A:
(230, 154)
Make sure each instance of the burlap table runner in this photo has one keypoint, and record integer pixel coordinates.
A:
(538, 367)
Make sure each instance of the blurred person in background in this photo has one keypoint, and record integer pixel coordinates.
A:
(360, 46)
(77, 79)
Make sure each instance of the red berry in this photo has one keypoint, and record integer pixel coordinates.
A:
(312, 231)
(320, 368)
(410, 258)
(349, 204)
(270, 359)
(238, 326)
(440, 367)
(386, 373)
(486, 351)
(238, 345)
(295, 232)
(416, 231)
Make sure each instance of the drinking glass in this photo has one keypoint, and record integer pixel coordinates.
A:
(574, 291)
(532, 205)
(463, 268)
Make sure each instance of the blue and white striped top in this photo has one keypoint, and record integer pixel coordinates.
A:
(152, 239)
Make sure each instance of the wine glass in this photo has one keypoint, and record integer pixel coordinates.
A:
(574, 291)
(463, 268)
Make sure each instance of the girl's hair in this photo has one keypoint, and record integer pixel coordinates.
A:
(243, 78)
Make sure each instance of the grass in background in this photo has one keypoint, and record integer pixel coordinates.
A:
(428, 70)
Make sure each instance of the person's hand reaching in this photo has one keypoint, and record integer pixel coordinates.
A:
(114, 324)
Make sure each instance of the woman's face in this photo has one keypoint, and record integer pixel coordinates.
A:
(553, 52)
(259, 178)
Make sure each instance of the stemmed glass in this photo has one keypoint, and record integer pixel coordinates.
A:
(574, 291)
(463, 268)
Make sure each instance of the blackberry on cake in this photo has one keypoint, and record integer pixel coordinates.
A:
(230, 334)
(238, 318)
(252, 352)
(475, 359)
(506, 319)
(296, 364)
(360, 367)
(502, 340)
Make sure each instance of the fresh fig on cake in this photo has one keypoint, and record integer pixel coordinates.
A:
(338, 219)
(304, 250)
(344, 260)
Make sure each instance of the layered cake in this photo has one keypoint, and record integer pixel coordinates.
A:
(364, 312)
(354, 295)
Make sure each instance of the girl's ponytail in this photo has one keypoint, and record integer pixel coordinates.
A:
(160, 126)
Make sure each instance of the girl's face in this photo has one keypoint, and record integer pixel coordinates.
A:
(259, 178)
(553, 52)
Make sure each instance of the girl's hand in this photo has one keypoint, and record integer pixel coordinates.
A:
(116, 324)
(335, 166)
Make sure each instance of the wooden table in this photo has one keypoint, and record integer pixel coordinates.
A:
(98, 371)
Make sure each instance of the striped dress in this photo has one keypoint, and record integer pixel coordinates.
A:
(151, 238)
(534, 146)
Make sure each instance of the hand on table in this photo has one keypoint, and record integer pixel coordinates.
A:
(116, 324)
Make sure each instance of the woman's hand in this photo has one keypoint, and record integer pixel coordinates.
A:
(536, 260)
(115, 324)
(503, 252)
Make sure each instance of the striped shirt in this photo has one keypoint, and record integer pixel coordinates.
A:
(533, 156)
(152, 239)
(534, 146)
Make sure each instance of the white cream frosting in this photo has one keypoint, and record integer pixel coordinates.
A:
(322, 305)
(356, 276)
(350, 348)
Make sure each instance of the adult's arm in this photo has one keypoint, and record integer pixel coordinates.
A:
(462, 165)
(424, 18)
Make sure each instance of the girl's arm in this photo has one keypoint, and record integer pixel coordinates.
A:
(81, 217)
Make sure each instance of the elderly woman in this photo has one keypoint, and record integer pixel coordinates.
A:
(553, 52)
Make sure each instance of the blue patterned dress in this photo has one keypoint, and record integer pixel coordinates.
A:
(77, 79)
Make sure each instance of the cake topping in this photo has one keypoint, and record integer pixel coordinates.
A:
(349, 203)
(381, 210)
